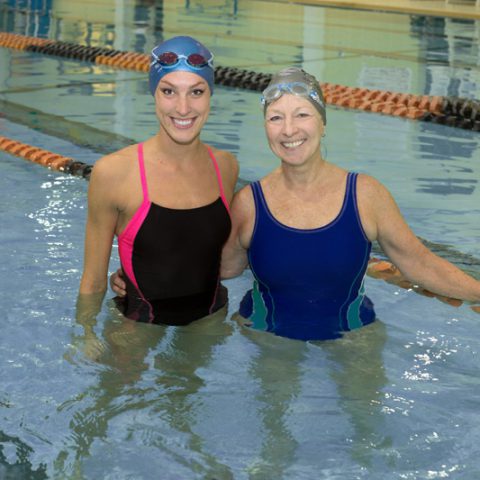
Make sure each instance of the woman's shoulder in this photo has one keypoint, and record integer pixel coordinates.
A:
(225, 159)
(373, 197)
(115, 166)
(119, 158)
(243, 202)
(245, 196)
(229, 168)
(369, 186)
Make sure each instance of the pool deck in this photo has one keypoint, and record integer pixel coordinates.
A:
(442, 8)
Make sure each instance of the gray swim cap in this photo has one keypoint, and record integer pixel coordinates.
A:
(295, 81)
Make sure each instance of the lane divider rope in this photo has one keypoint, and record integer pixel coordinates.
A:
(453, 111)
(377, 268)
(45, 158)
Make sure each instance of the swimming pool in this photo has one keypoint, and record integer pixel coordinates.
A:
(396, 400)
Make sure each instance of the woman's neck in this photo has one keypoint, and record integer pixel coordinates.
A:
(167, 150)
(306, 174)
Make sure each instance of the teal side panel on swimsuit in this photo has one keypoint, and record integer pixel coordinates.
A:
(260, 311)
(353, 312)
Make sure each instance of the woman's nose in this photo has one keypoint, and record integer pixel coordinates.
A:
(289, 126)
(183, 105)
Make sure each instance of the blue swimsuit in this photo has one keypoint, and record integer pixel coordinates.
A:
(308, 283)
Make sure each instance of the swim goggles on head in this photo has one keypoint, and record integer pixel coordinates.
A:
(194, 60)
(274, 92)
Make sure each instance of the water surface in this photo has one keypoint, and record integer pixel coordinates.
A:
(397, 400)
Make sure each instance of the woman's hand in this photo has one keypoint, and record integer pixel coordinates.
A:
(117, 283)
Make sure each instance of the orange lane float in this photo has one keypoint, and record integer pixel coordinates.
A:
(138, 62)
(390, 103)
(20, 42)
(384, 270)
(45, 158)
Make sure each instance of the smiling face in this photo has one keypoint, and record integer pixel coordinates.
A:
(182, 101)
(294, 130)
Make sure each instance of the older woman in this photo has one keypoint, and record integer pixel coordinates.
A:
(167, 201)
(306, 229)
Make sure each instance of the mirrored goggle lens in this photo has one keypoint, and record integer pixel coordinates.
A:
(272, 93)
(197, 60)
(168, 59)
(299, 89)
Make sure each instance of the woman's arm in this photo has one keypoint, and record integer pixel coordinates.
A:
(101, 223)
(234, 255)
(417, 263)
(100, 228)
(230, 175)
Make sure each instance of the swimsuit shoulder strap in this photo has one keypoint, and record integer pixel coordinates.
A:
(143, 177)
(351, 190)
(257, 193)
(261, 206)
(351, 202)
(219, 177)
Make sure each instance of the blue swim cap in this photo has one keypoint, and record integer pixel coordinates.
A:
(181, 53)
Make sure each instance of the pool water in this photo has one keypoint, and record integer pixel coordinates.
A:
(398, 399)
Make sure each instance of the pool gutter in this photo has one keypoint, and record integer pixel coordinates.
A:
(436, 8)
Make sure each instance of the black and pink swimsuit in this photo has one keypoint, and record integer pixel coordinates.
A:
(171, 258)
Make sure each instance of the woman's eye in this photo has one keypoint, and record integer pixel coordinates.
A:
(274, 118)
(198, 92)
(167, 91)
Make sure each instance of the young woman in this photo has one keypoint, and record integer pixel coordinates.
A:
(167, 201)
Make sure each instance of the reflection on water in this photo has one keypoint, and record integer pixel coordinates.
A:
(150, 388)
(12, 448)
(27, 17)
(287, 372)
(451, 54)
(360, 376)
(148, 374)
